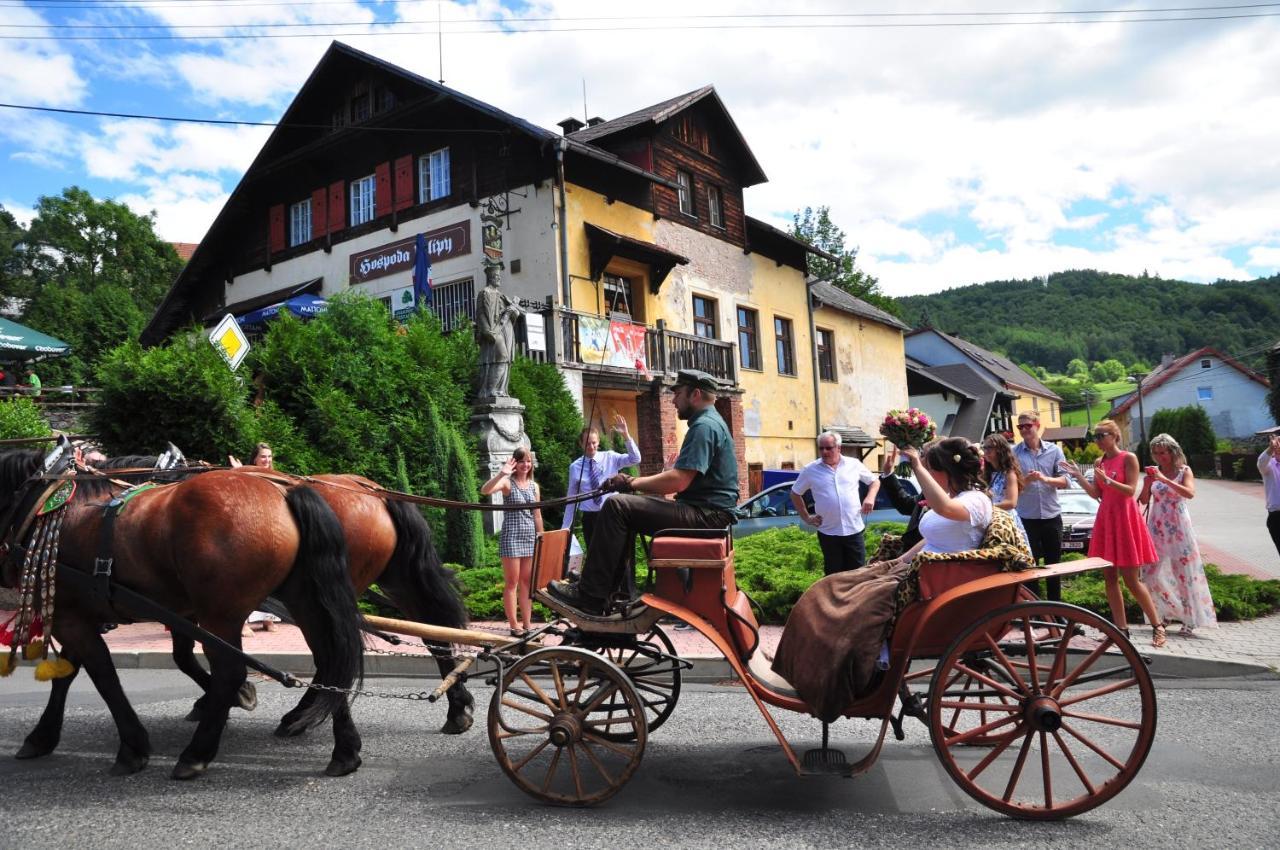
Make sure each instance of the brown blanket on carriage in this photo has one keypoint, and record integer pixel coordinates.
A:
(831, 641)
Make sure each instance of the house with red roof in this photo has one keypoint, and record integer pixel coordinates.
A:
(1234, 396)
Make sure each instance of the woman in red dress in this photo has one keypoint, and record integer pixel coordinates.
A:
(1119, 533)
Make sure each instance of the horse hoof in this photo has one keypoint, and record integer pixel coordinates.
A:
(30, 750)
(127, 766)
(290, 729)
(185, 771)
(341, 767)
(248, 696)
(457, 725)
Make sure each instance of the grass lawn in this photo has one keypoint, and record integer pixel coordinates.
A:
(1099, 410)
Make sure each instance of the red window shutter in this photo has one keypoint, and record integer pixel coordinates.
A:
(276, 228)
(319, 222)
(337, 206)
(404, 182)
(382, 190)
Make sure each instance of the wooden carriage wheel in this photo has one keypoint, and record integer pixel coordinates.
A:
(546, 722)
(1066, 724)
(654, 673)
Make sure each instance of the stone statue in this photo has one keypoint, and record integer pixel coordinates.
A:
(495, 315)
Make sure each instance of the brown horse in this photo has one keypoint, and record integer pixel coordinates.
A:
(209, 548)
(388, 542)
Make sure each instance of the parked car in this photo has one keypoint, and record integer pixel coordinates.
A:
(772, 508)
(1079, 510)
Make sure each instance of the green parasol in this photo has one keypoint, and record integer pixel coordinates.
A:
(19, 342)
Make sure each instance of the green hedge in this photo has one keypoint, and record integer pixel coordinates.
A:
(1235, 597)
(19, 418)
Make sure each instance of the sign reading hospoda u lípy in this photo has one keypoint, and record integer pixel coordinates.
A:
(452, 240)
(229, 341)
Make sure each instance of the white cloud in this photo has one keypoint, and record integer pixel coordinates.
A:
(1000, 131)
(35, 72)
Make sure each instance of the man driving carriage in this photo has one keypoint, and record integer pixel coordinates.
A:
(704, 481)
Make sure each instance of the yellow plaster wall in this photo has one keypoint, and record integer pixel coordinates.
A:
(585, 205)
(871, 373)
(1041, 406)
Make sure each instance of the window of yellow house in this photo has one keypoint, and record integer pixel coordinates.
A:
(617, 295)
(748, 338)
(785, 346)
(1053, 411)
(704, 317)
(1035, 403)
(826, 355)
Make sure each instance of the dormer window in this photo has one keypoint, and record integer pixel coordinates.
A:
(361, 104)
(688, 131)
(715, 213)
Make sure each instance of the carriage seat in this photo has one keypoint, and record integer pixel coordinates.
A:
(694, 567)
(689, 548)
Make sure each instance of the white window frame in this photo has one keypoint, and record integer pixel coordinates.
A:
(364, 200)
(685, 180)
(434, 179)
(1206, 363)
(1204, 393)
(715, 206)
(300, 223)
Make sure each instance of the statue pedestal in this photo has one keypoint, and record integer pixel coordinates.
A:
(498, 423)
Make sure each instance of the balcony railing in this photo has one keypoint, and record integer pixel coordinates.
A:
(570, 339)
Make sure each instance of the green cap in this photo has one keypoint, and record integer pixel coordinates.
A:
(697, 379)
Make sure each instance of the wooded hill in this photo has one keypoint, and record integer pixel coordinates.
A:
(1096, 315)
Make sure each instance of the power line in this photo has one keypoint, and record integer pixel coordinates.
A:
(231, 122)
(507, 30)
(764, 16)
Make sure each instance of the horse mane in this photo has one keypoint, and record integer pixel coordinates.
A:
(16, 466)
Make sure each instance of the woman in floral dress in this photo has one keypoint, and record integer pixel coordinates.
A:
(1176, 581)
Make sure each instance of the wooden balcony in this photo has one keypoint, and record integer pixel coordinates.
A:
(586, 340)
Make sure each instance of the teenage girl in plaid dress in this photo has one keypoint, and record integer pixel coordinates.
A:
(519, 530)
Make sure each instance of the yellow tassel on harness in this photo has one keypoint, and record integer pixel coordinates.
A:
(7, 664)
(57, 669)
(33, 650)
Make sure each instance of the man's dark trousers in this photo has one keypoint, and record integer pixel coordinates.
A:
(588, 526)
(842, 552)
(622, 516)
(1045, 537)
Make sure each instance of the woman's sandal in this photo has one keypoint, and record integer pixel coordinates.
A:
(1158, 636)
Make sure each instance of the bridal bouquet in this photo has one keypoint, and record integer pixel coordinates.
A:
(910, 427)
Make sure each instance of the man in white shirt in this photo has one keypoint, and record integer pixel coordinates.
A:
(591, 470)
(1269, 469)
(839, 517)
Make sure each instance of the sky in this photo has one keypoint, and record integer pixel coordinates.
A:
(955, 142)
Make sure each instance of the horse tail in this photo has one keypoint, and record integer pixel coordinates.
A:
(322, 599)
(415, 578)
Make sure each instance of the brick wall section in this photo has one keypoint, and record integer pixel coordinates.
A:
(657, 438)
(657, 421)
(730, 407)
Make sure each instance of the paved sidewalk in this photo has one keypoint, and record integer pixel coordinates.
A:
(1230, 521)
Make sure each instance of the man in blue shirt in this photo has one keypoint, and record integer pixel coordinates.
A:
(1038, 502)
(704, 481)
(593, 469)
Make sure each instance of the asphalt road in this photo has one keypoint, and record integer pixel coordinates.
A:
(711, 777)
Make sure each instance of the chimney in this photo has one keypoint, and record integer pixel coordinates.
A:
(591, 122)
(1166, 361)
(570, 125)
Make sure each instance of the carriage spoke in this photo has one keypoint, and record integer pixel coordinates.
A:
(551, 770)
(519, 732)
(980, 730)
(595, 762)
(541, 694)
(558, 680)
(1016, 773)
(1044, 769)
(1098, 692)
(531, 712)
(1060, 657)
(612, 721)
(1032, 667)
(1112, 760)
(573, 768)
(955, 715)
(519, 766)
(988, 681)
(1080, 669)
(990, 757)
(1098, 718)
(1075, 765)
(599, 697)
(607, 744)
(982, 707)
(1007, 664)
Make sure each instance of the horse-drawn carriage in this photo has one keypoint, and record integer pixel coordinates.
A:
(1036, 709)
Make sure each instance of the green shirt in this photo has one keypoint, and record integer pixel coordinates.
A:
(708, 451)
(33, 381)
